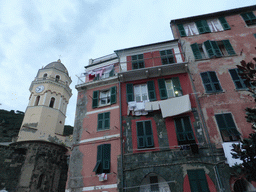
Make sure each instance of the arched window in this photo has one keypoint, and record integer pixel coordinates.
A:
(52, 102)
(40, 180)
(37, 100)
(57, 78)
(45, 76)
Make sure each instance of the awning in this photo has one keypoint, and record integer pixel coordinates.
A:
(175, 106)
(227, 146)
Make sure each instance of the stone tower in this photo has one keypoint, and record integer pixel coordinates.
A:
(40, 142)
(45, 115)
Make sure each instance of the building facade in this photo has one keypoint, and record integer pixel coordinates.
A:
(96, 138)
(164, 145)
(213, 45)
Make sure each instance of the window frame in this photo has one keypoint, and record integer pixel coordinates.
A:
(103, 161)
(197, 180)
(185, 135)
(103, 121)
(145, 137)
(210, 82)
(106, 98)
(232, 134)
(249, 18)
(141, 93)
(96, 97)
(211, 49)
(167, 55)
(150, 87)
(137, 60)
(163, 89)
(239, 80)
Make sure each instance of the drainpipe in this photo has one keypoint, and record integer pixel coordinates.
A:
(220, 186)
(121, 130)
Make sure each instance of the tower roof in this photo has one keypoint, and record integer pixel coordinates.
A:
(57, 65)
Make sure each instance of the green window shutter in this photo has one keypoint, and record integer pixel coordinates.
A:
(184, 130)
(100, 121)
(197, 181)
(181, 30)
(224, 23)
(206, 26)
(254, 35)
(216, 49)
(209, 48)
(196, 51)
(140, 135)
(106, 158)
(238, 81)
(97, 77)
(162, 89)
(176, 85)
(151, 91)
(245, 17)
(112, 72)
(202, 26)
(106, 120)
(113, 95)
(129, 92)
(229, 47)
(251, 15)
(148, 134)
(95, 99)
(98, 168)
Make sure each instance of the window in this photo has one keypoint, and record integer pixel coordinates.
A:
(144, 134)
(169, 88)
(203, 26)
(37, 100)
(103, 121)
(40, 180)
(184, 131)
(137, 61)
(154, 183)
(197, 181)
(103, 159)
(238, 81)
(105, 97)
(167, 57)
(227, 127)
(52, 102)
(57, 78)
(254, 35)
(141, 92)
(45, 76)
(212, 49)
(211, 82)
(249, 18)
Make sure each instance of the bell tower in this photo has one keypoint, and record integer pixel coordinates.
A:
(46, 112)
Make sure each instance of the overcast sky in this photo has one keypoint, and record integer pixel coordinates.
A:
(36, 33)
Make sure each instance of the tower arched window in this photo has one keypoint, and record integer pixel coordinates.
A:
(52, 102)
(45, 76)
(57, 78)
(37, 100)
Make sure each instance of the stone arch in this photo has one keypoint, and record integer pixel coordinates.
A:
(154, 182)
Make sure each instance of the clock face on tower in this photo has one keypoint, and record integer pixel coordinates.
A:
(39, 89)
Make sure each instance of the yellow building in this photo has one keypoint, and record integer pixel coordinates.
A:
(46, 112)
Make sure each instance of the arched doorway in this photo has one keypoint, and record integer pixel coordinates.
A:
(154, 183)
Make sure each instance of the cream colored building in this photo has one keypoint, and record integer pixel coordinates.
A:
(46, 112)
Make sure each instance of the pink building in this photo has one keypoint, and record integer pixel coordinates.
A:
(214, 44)
(93, 163)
